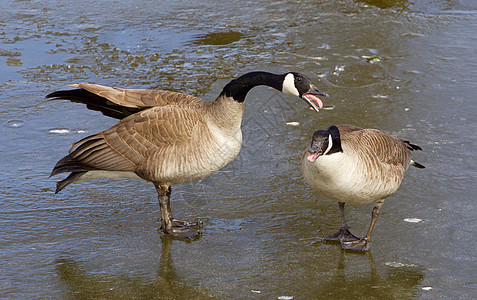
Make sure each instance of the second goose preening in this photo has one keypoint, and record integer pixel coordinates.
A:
(352, 165)
(167, 137)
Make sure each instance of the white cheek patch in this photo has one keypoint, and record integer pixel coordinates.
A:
(289, 85)
(330, 144)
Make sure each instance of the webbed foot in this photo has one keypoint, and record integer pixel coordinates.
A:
(183, 229)
(343, 235)
(360, 245)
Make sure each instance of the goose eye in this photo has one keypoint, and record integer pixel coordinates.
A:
(299, 79)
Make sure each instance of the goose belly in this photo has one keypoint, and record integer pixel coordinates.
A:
(197, 161)
(344, 180)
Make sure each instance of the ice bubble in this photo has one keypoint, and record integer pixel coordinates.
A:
(412, 220)
(59, 131)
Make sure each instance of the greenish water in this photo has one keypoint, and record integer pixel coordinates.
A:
(407, 68)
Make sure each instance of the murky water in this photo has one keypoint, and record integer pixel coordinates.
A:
(408, 68)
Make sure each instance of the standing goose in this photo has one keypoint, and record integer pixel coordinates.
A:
(166, 137)
(352, 165)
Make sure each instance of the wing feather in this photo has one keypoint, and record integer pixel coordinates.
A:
(120, 103)
(384, 156)
(158, 134)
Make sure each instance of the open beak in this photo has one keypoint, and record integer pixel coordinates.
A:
(314, 152)
(311, 97)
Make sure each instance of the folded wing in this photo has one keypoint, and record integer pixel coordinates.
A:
(155, 144)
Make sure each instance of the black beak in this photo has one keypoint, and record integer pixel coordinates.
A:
(315, 147)
(314, 91)
(315, 151)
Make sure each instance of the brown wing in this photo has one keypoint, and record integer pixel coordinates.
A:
(388, 149)
(385, 154)
(120, 103)
(158, 133)
(138, 98)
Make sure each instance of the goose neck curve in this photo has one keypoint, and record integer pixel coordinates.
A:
(238, 88)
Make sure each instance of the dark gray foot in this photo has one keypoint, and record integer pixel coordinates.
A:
(184, 229)
(343, 236)
(360, 245)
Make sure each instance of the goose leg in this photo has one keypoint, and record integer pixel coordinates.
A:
(363, 244)
(183, 229)
(343, 234)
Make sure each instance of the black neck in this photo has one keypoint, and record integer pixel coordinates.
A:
(238, 88)
(335, 135)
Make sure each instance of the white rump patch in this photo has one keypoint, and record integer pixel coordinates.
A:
(289, 85)
(95, 174)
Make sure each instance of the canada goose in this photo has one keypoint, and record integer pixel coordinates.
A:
(167, 137)
(352, 165)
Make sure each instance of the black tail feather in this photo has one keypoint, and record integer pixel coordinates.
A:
(68, 164)
(417, 165)
(411, 146)
(94, 102)
(70, 179)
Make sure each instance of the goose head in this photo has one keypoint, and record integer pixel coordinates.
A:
(324, 142)
(299, 85)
